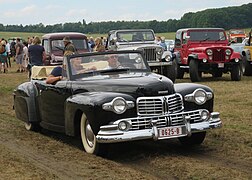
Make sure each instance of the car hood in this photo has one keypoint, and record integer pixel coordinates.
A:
(139, 84)
(203, 47)
(135, 46)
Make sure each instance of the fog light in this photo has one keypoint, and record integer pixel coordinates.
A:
(204, 60)
(237, 60)
(227, 57)
(204, 115)
(123, 125)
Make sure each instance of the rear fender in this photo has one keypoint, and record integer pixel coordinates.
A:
(25, 102)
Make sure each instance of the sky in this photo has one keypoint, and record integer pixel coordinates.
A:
(50, 12)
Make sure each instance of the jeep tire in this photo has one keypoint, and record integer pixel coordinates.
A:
(195, 75)
(247, 67)
(180, 72)
(236, 72)
(171, 71)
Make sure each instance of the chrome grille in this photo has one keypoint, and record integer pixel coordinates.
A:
(150, 54)
(165, 120)
(219, 54)
(159, 105)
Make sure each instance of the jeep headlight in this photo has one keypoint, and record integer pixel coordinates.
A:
(209, 52)
(228, 52)
(159, 51)
(199, 96)
(118, 105)
(168, 58)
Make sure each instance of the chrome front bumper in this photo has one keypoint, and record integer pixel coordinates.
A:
(111, 134)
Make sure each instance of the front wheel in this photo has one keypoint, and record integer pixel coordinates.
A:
(90, 144)
(195, 75)
(194, 139)
(171, 71)
(236, 72)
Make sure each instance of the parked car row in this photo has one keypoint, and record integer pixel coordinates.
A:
(136, 98)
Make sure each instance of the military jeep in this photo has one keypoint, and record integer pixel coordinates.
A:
(160, 61)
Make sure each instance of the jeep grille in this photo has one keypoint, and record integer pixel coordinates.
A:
(147, 106)
(150, 54)
(219, 54)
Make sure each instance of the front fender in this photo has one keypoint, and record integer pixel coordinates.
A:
(188, 88)
(235, 55)
(91, 103)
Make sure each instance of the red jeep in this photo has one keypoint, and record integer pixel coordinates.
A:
(205, 50)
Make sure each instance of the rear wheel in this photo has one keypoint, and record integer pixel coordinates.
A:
(195, 75)
(236, 72)
(194, 139)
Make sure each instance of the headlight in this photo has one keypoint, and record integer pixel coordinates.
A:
(159, 51)
(119, 105)
(200, 97)
(209, 52)
(228, 52)
(168, 58)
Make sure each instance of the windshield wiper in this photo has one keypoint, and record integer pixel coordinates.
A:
(60, 48)
(207, 38)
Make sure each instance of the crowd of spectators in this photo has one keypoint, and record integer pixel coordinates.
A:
(27, 53)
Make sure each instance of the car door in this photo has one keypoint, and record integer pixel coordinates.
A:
(51, 103)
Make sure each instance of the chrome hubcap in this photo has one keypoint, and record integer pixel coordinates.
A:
(89, 135)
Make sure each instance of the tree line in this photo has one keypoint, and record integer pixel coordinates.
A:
(227, 18)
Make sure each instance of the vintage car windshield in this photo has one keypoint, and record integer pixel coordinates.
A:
(78, 44)
(207, 36)
(135, 36)
(83, 66)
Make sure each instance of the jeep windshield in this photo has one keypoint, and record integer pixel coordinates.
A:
(207, 36)
(94, 64)
(135, 36)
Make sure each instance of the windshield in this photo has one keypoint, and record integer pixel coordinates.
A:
(135, 36)
(79, 44)
(236, 31)
(207, 36)
(106, 63)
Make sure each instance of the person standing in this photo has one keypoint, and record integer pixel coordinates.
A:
(3, 56)
(69, 47)
(19, 55)
(36, 54)
(99, 47)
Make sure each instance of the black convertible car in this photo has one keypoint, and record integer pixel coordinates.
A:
(113, 97)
